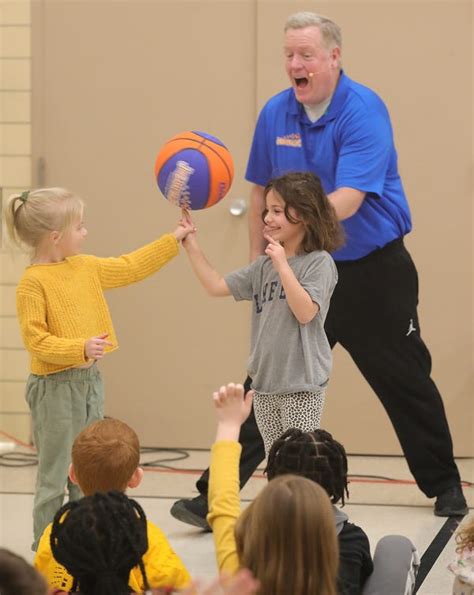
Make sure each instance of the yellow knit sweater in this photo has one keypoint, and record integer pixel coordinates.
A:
(224, 502)
(61, 305)
(163, 566)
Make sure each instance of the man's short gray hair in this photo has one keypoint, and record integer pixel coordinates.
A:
(330, 31)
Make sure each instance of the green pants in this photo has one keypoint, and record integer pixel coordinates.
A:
(62, 405)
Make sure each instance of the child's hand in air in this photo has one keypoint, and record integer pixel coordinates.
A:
(94, 348)
(232, 409)
(185, 226)
(276, 252)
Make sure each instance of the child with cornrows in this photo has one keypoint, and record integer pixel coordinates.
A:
(290, 536)
(66, 327)
(286, 537)
(100, 538)
(318, 456)
(290, 287)
(105, 458)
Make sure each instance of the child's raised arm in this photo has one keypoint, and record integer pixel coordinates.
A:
(210, 279)
(232, 409)
(185, 227)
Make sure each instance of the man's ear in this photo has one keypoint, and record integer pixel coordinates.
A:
(336, 55)
(136, 478)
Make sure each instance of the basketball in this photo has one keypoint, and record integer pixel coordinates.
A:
(194, 170)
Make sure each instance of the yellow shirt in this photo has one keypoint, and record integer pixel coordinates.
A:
(162, 565)
(61, 305)
(224, 501)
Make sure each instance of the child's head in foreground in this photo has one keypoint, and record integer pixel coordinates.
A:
(17, 577)
(315, 455)
(99, 539)
(105, 457)
(287, 538)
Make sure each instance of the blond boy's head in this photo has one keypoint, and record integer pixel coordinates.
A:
(105, 457)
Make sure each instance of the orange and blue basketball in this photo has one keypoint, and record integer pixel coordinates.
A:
(194, 170)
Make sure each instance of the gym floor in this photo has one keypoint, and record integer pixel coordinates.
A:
(383, 500)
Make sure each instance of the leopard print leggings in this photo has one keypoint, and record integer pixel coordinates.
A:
(277, 413)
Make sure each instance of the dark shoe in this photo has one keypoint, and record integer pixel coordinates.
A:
(451, 503)
(192, 511)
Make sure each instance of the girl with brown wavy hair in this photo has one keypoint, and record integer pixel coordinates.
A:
(290, 288)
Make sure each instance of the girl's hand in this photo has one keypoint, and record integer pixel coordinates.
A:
(94, 348)
(185, 226)
(232, 409)
(276, 252)
(242, 583)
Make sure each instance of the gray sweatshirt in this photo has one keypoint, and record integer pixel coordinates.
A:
(286, 356)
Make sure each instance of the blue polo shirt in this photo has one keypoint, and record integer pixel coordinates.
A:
(350, 145)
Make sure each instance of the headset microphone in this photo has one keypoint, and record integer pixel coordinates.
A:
(311, 74)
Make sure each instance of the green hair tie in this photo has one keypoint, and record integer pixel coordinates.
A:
(24, 195)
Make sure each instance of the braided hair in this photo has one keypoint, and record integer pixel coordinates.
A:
(315, 455)
(99, 539)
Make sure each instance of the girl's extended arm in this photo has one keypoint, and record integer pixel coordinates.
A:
(143, 262)
(298, 299)
(137, 265)
(232, 409)
(210, 279)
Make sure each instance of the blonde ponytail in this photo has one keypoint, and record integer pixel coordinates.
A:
(32, 214)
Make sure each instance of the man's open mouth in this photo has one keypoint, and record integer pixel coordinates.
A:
(301, 82)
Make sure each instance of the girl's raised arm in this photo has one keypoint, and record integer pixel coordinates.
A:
(210, 279)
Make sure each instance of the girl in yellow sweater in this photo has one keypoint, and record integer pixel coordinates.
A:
(286, 537)
(66, 327)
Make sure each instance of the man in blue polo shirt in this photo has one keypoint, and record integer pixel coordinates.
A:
(350, 147)
(340, 130)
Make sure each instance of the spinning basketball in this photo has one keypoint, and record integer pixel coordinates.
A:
(194, 170)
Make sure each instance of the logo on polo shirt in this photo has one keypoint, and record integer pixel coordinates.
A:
(289, 140)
